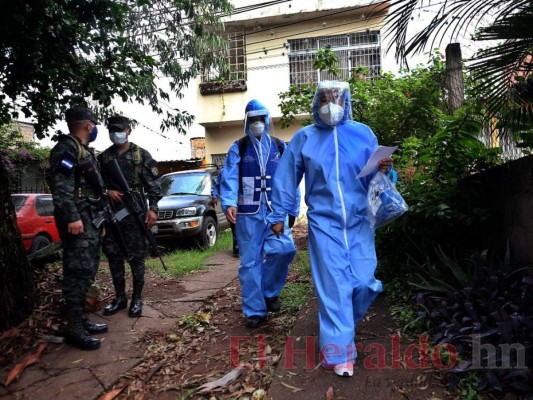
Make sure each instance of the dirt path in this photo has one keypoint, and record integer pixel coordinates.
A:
(65, 372)
(192, 333)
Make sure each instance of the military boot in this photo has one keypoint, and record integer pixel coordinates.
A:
(136, 304)
(93, 327)
(76, 334)
(120, 302)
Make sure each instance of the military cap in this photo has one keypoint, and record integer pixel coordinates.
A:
(118, 121)
(80, 114)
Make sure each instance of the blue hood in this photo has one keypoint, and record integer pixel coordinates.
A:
(347, 110)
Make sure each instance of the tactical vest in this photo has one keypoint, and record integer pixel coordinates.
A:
(137, 163)
(252, 184)
(81, 188)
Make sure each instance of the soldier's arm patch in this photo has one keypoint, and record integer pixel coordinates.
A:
(67, 163)
(151, 165)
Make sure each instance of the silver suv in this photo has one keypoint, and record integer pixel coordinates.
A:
(185, 209)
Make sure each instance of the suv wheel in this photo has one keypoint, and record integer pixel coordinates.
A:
(38, 243)
(209, 235)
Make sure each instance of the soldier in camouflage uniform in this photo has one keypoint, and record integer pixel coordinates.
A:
(140, 171)
(74, 211)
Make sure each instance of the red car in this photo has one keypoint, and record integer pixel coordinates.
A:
(35, 218)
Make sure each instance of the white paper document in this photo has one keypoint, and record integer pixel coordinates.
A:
(372, 163)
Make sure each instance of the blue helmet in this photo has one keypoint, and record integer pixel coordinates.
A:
(256, 108)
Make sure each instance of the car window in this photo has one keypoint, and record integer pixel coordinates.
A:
(18, 201)
(198, 183)
(44, 206)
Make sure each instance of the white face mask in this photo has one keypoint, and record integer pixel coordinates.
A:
(118, 137)
(257, 128)
(331, 114)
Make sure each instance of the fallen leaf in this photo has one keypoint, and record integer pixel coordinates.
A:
(9, 333)
(113, 393)
(29, 360)
(293, 388)
(205, 317)
(173, 337)
(249, 389)
(224, 381)
(259, 394)
(330, 394)
(53, 339)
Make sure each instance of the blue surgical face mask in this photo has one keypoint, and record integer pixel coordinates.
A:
(118, 137)
(94, 134)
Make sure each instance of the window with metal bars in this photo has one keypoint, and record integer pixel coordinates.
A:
(362, 49)
(218, 159)
(236, 58)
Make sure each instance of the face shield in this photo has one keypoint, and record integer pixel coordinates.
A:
(330, 101)
(256, 122)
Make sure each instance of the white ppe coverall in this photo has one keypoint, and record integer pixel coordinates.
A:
(341, 242)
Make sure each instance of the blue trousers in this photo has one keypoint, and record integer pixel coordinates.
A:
(264, 258)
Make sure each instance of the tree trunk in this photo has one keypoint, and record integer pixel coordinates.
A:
(17, 288)
(454, 77)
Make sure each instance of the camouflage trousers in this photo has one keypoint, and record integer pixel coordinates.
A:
(137, 246)
(81, 258)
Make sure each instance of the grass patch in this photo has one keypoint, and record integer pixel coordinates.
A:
(184, 261)
(295, 292)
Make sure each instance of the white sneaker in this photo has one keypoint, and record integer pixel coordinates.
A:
(345, 369)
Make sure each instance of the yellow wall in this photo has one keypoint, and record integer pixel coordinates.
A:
(268, 74)
(268, 71)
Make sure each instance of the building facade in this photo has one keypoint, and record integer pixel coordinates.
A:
(271, 48)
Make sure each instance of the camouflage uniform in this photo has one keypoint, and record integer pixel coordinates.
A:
(81, 253)
(147, 183)
(75, 200)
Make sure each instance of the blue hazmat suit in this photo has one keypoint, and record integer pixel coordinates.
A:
(341, 242)
(264, 259)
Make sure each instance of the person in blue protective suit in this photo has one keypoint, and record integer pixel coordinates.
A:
(245, 191)
(341, 243)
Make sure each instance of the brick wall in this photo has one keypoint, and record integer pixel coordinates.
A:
(198, 147)
(26, 129)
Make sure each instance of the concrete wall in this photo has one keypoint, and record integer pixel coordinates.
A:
(267, 61)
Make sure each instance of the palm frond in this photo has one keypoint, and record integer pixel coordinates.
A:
(455, 17)
(505, 72)
(502, 72)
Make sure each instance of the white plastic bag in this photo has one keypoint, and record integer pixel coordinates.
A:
(385, 204)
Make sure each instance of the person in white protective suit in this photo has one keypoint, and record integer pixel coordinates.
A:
(341, 243)
(245, 190)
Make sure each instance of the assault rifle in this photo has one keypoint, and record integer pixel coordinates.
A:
(106, 209)
(132, 203)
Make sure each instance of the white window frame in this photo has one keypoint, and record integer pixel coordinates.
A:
(236, 57)
(357, 49)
